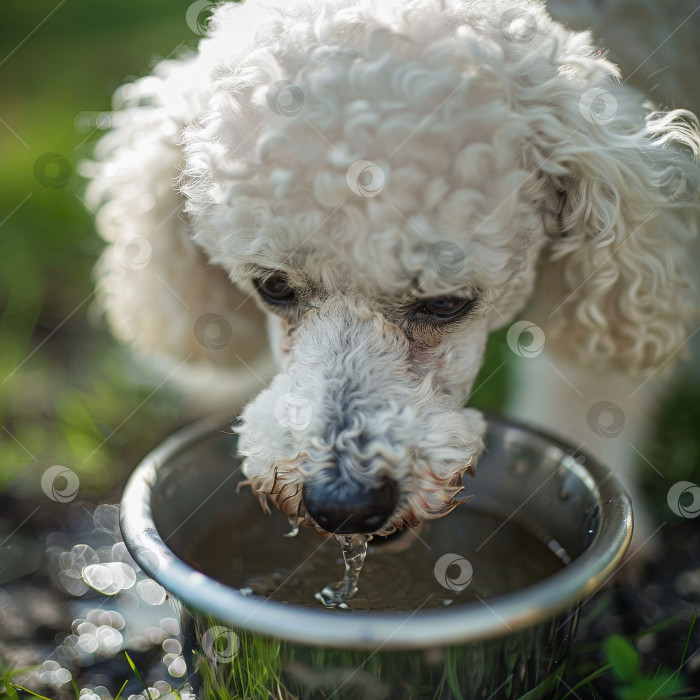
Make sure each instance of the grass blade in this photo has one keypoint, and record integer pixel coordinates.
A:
(31, 692)
(590, 677)
(138, 675)
(687, 644)
(121, 690)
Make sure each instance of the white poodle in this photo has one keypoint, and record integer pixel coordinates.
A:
(382, 185)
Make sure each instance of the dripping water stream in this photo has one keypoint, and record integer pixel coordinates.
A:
(354, 549)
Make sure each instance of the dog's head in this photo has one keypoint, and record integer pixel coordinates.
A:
(385, 180)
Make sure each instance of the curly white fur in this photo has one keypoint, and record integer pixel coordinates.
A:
(484, 143)
(348, 373)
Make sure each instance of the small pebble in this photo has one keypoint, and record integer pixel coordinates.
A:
(646, 643)
(688, 583)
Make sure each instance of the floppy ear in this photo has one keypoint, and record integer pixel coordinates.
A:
(619, 187)
(157, 287)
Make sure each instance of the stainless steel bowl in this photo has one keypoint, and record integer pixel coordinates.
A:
(499, 649)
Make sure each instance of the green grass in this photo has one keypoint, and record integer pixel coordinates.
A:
(64, 384)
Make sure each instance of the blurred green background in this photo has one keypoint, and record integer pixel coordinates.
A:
(64, 384)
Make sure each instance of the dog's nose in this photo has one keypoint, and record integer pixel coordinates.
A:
(346, 506)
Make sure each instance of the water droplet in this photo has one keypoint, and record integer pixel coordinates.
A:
(294, 524)
(170, 625)
(162, 687)
(109, 640)
(154, 635)
(87, 644)
(172, 646)
(151, 592)
(85, 628)
(62, 675)
(109, 578)
(178, 667)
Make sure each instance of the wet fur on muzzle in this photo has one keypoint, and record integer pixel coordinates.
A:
(350, 401)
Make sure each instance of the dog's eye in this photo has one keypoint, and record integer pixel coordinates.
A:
(275, 289)
(445, 307)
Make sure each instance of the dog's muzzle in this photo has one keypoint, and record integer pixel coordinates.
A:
(343, 505)
(350, 438)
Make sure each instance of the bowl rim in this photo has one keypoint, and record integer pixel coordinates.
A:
(472, 622)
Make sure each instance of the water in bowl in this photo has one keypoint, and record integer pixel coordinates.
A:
(468, 555)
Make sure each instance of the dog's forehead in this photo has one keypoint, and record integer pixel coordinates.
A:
(440, 215)
(354, 254)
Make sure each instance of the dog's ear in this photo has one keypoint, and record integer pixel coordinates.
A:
(619, 187)
(160, 293)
